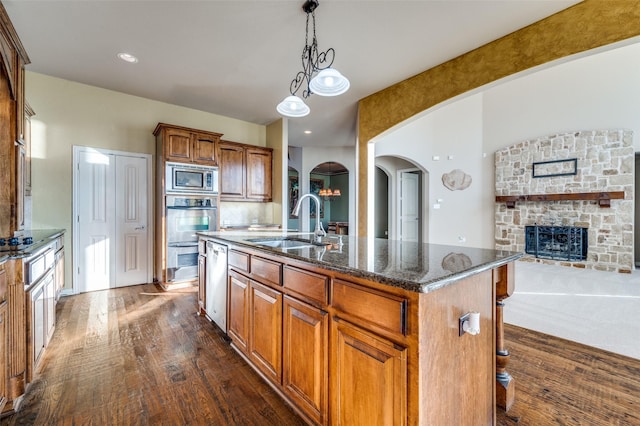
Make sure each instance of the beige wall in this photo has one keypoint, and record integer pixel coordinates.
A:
(69, 113)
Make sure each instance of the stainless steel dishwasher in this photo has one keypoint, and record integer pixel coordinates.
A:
(216, 286)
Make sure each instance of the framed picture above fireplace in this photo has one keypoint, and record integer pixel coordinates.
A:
(555, 168)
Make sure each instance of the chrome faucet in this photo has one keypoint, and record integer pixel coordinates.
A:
(319, 231)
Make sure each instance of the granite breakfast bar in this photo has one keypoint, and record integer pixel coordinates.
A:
(370, 331)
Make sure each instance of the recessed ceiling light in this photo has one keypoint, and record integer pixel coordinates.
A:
(128, 57)
(307, 132)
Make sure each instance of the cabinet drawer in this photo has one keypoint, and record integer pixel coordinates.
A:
(267, 270)
(383, 310)
(313, 286)
(238, 260)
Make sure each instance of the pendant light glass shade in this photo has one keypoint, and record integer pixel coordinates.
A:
(329, 82)
(293, 106)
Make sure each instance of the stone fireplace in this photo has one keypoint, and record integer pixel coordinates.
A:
(584, 180)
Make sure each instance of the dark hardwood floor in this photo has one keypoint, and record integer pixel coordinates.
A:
(559, 382)
(137, 355)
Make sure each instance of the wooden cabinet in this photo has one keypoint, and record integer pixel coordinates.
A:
(37, 325)
(3, 354)
(13, 58)
(238, 315)
(232, 171)
(346, 350)
(50, 307)
(59, 272)
(304, 358)
(28, 113)
(20, 194)
(202, 276)
(184, 145)
(245, 172)
(202, 283)
(369, 378)
(265, 330)
(259, 174)
(4, 368)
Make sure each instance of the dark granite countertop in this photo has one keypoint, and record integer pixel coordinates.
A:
(415, 267)
(241, 226)
(41, 237)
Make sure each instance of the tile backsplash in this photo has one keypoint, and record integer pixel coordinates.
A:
(242, 213)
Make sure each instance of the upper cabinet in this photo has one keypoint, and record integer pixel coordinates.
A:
(232, 171)
(28, 113)
(259, 173)
(13, 58)
(186, 145)
(245, 172)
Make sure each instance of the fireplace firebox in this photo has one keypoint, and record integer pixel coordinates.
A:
(557, 242)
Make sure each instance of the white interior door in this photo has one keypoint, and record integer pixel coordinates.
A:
(409, 206)
(131, 221)
(112, 238)
(95, 220)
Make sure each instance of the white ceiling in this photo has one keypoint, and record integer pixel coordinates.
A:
(237, 58)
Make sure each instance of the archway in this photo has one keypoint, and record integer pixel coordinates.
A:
(330, 181)
(407, 214)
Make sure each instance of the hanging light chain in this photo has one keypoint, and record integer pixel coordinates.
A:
(312, 61)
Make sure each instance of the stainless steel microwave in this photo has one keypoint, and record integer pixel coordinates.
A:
(191, 179)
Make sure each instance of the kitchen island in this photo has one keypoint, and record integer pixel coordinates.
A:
(371, 331)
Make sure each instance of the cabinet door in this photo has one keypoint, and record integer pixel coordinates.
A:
(37, 328)
(259, 174)
(232, 171)
(304, 358)
(369, 378)
(20, 164)
(204, 151)
(50, 308)
(266, 330)
(59, 272)
(3, 354)
(28, 113)
(177, 145)
(238, 296)
(202, 282)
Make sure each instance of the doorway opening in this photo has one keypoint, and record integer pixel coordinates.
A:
(330, 182)
(401, 200)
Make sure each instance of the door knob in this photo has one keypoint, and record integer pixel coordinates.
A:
(139, 228)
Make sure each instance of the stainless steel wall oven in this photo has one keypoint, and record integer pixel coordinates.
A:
(185, 216)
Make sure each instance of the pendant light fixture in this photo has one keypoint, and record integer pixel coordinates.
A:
(317, 74)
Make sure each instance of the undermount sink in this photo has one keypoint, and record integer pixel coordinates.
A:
(285, 243)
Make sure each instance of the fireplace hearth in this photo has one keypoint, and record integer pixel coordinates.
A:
(557, 242)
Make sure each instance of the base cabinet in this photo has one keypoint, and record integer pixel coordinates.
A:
(238, 327)
(304, 357)
(59, 271)
(41, 321)
(368, 371)
(202, 283)
(3, 354)
(346, 351)
(265, 330)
